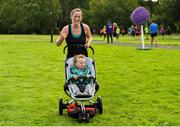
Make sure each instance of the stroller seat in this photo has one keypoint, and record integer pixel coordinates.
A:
(68, 64)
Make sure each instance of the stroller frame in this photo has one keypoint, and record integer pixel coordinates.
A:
(76, 107)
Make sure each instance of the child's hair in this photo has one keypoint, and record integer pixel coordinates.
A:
(78, 57)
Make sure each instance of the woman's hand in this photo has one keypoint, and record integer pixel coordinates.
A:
(86, 45)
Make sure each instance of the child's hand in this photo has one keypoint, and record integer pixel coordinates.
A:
(88, 76)
(75, 77)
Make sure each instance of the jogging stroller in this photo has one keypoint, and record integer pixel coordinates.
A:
(81, 107)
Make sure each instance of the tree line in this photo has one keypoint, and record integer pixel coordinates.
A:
(46, 16)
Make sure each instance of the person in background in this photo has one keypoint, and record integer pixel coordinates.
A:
(118, 32)
(104, 32)
(114, 29)
(146, 31)
(162, 31)
(153, 30)
(168, 30)
(109, 31)
(137, 32)
(133, 31)
(123, 31)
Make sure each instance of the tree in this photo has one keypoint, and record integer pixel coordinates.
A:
(43, 16)
(118, 11)
(167, 13)
(28, 16)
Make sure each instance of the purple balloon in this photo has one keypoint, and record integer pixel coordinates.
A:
(140, 16)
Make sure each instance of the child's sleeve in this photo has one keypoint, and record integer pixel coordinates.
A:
(71, 74)
(88, 71)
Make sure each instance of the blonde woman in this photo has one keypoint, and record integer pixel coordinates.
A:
(77, 35)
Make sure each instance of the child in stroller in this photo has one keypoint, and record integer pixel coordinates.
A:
(81, 88)
(79, 71)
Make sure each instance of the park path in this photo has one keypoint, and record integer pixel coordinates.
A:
(139, 45)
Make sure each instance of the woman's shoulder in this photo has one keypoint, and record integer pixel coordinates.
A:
(86, 28)
(85, 25)
(65, 27)
(64, 31)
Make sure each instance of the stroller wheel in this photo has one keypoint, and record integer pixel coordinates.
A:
(83, 117)
(60, 106)
(87, 117)
(99, 105)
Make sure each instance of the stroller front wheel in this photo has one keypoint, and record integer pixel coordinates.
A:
(61, 106)
(99, 105)
(83, 117)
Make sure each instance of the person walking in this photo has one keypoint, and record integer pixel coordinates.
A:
(153, 30)
(146, 31)
(162, 31)
(109, 31)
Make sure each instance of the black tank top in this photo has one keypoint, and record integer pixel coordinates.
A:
(76, 44)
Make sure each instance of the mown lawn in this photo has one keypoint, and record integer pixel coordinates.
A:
(137, 87)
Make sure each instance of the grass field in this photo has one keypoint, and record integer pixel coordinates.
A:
(137, 87)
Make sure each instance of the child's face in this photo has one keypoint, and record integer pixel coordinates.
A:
(80, 64)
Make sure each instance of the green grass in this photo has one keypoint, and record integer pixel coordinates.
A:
(137, 87)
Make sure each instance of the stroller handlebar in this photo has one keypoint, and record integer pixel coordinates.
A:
(64, 50)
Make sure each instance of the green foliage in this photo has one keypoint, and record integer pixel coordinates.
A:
(177, 24)
(167, 13)
(45, 16)
(27, 16)
(118, 11)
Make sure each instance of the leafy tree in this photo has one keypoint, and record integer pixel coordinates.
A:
(173, 14)
(28, 16)
(43, 16)
(167, 13)
(118, 11)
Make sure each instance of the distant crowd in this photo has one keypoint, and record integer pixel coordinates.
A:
(111, 30)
